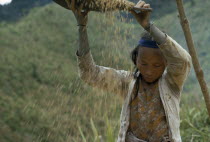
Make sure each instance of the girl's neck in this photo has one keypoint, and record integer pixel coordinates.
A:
(147, 85)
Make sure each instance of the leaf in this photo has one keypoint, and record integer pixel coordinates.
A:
(82, 134)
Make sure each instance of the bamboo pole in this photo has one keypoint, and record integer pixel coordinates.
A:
(198, 70)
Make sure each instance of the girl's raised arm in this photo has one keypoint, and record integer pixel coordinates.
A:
(178, 60)
(108, 79)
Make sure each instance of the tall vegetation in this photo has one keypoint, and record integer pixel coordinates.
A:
(42, 98)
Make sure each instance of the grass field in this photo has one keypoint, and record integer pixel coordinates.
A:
(42, 98)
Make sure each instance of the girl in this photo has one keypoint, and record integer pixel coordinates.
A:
(150, 112)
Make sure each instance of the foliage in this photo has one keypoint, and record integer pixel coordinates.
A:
(42, 98)
(195, 123)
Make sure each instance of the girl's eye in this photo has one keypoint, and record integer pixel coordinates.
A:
(143, 64)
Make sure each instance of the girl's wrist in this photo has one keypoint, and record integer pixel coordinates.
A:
(147, 27)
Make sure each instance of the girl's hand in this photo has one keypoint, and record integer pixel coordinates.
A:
(143, 17)
(80, 14)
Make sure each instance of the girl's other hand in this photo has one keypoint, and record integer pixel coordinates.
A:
(80, 14)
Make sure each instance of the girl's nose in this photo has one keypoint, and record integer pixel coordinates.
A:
(149, 72)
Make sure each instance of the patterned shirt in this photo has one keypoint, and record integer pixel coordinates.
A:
(147, 116)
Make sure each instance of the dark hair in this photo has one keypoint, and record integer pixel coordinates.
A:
(134, 55)
(134, 52)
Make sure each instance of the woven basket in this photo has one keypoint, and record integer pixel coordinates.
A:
(103, 5)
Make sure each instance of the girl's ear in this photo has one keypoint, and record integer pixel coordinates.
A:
(138, 56)
(134, 55)
(136, 59)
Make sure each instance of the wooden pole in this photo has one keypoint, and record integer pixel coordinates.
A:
(192, 51)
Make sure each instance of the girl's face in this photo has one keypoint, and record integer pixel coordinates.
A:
(150, 63)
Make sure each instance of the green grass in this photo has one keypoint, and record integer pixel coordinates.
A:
(42, 98)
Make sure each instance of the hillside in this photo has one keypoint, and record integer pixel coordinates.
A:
(39, 80)
(18, 9)
(42, 98)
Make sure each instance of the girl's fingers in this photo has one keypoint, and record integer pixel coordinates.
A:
(81, 6)
(81, 10)
(68, 3)
(146, 6)
(73, 5)
(141, 4)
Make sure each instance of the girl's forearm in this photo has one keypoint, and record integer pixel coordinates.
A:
(157, 34)
(83, 41)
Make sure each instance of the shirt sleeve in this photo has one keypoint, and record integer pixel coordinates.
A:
(107, 79)
(178, 64)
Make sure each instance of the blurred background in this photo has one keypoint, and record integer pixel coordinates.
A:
(42, 98)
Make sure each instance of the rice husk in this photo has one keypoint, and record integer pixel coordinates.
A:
(105, 5)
